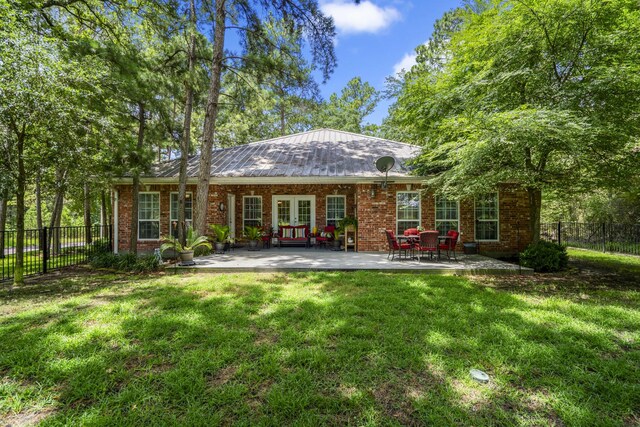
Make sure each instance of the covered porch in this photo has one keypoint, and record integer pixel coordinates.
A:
(299, 259)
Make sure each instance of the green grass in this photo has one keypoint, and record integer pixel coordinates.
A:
(606, 261)
(358, 348)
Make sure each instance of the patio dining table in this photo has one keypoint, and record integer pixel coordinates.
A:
(411, 239)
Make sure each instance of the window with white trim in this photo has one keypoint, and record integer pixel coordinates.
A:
(148, 216)
(336, 208)
(251, 211)
(447, 215)
(487, 217)
(407, 210)
(173, 214)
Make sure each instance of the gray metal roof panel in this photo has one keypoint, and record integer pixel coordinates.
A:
(318, 153)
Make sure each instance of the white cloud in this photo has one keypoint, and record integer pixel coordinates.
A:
(365, 17)
(407, 61)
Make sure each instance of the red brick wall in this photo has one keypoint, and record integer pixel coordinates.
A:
(374, 213)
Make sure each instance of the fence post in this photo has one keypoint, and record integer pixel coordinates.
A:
(559, 232)
(604, 237)
(45, 250)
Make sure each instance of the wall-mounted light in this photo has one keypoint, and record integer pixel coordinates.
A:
(221, 207)
(372, 192)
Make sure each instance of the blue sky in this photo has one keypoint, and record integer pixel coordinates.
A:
(376, 38)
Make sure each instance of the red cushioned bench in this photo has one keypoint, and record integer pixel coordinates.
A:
(294, 235)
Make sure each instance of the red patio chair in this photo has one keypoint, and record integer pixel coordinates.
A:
(411, 232)
(324, 240)
(428, 243)
(450, 244)
(395, 246)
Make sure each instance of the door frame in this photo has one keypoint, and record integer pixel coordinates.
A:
(294, 207)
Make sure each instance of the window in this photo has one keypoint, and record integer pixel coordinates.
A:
(407, 210)
(487, 219)
(149, 216)
(252, 211)
(336, 207)
(173, 215)
(447, 215)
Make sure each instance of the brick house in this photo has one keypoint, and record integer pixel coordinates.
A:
(317, 178)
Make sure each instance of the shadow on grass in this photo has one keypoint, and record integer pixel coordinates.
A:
(319, 348)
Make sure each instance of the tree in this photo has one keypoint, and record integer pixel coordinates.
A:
(347, 112)
(246, 17)
(541, 94)
(43, 97)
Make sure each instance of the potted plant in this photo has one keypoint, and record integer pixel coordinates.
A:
(192, 242)
(254, 234)
(220, 236)
(346, 223)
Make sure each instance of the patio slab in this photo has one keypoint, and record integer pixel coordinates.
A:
(297, 259)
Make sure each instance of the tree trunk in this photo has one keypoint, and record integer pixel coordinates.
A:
(56, 213)
(211, 114)
(186, 140)
(38, 203)
(87, 213)
(283, 123)
(18, 272)
(535, 204)
(3, 220)
(135, 188)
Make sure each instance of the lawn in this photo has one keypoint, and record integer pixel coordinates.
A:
(337, 348)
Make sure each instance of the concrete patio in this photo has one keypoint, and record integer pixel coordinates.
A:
(301, 259)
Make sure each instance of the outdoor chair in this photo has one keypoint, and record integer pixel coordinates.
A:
(395, 246)
(450, 244)
(327, 236)
(428, 243)
(411, 232)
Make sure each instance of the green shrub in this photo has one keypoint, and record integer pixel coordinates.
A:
(126, 262)
(100, 246)
(545, 257)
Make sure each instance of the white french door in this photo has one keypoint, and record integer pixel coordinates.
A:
(294, 210)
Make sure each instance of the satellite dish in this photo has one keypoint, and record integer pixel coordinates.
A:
(384, 164)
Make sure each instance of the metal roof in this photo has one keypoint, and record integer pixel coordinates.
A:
(323, 153)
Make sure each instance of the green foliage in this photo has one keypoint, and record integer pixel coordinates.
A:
(126, 262)
(541, 94)
(100, 246)
(253, 233)
(545, 257)
(348, 110)
(220, 232)
(193, 241)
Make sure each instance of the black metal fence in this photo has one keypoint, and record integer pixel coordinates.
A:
(606, 237)
(53, 248)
